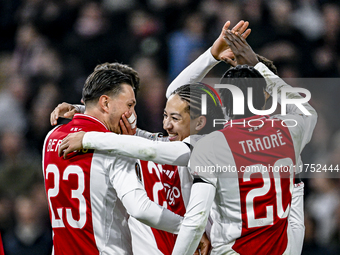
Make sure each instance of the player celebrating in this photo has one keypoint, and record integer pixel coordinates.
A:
(90, 194)
(159, 152)
(172, 189)
(250, 208)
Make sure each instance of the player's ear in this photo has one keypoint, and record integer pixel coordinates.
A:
(104, 102)
(201, 121)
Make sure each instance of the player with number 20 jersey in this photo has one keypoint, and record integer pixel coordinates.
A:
(246, 173)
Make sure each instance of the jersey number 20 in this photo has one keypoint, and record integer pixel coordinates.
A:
(258, 192)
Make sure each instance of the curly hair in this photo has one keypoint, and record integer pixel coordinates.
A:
(243, 77)
(192, 94)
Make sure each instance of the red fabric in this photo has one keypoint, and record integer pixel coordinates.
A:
(163, 186)
(1, 247)
(60, 187)
(264, 228)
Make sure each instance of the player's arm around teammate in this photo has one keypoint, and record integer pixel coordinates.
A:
(204, 191)
(245, 55)
(175, 153)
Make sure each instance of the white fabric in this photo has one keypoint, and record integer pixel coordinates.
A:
(143, 239)
(139, 206)
(302, 132)
(111, 186)
(80, 108)
(172, 153)
(195, 218)
(219, 153)
(105, 199)
(227, 219)
(132, 120)
(296, 219)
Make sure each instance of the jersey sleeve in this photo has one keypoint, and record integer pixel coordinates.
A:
(139, 206)
(171, 153)
(301, 132)
(296, 218)
(130, 191)
(195, 72)
(195, 219)
(203, 158)
(122, 175)
(151, 136)
(80, 108)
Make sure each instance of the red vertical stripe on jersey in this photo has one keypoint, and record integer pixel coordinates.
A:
(264, 232)
(163, 186)
(63, 187)
(1, 247)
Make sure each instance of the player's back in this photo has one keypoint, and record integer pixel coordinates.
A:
(251, 169)
(86, 215)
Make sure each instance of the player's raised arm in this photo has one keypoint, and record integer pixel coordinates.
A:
(196, 71)
(302, 133)
(220, 49)
(245, 55)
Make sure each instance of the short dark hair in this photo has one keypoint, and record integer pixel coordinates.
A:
(102, 82)
(239, 76)
(192, 94)
(125, 69)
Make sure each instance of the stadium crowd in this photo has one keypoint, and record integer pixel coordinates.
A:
(48, 47)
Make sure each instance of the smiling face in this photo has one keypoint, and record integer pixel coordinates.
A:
(118, 105)
(177, 120)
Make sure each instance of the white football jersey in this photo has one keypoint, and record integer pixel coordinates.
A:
(84, 193)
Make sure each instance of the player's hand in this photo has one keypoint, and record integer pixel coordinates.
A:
(70, 143)
(64, 110)
(220, 49)
(204, 246)
(128, 123)
(243, 53)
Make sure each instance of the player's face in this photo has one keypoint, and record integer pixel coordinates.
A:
(177, 120)
(118, 105)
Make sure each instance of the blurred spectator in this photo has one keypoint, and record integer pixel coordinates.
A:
(308, 19)
(29, 43)
(255, 12)
(152, 85)
(42, 105)
(48, 47)
(91, 40)
(311, 246)
(321, 205)
(144, 37)
(30, 235)
(8, 24)
(186, 44)
(19, 166)
(334, 154)
(6, 209)
(12, 104)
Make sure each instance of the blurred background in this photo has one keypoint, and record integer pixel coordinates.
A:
(48, 47)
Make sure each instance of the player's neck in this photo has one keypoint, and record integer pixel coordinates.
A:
(96, 113)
